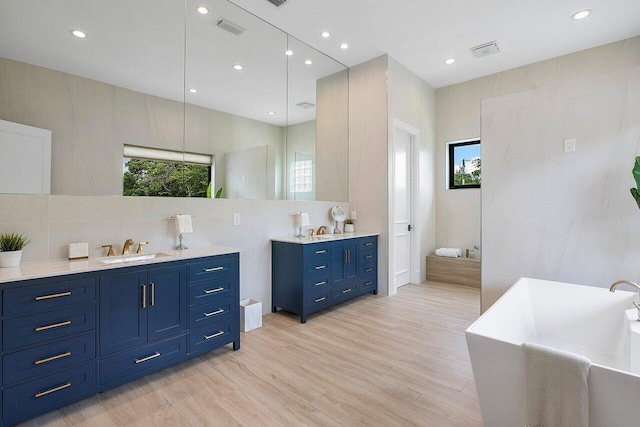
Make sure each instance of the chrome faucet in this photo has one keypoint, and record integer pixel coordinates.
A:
(626, 282)
(127, 244)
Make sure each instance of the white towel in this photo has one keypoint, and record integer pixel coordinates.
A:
(556, 387)
(183, 224)
(449, 252)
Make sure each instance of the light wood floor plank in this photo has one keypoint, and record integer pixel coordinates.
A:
(373, 361)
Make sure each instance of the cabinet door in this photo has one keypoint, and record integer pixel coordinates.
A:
(123, 320)
(167, 314)
(344, 262)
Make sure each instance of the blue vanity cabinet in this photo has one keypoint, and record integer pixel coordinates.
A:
(48, 344)
(306, 278)
(138, 307)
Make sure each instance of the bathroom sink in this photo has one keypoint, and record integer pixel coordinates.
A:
(324, 236)
(131, 258)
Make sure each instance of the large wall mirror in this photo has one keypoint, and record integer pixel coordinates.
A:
(260, 114)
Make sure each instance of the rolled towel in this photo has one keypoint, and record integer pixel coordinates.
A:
(449, 252)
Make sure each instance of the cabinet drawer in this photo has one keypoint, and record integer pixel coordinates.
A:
(366, 258)
(212, 268)
(365, 243)
(211, 336)
(207, 314)
(212, 290)
(21, 331)
(142, 358)
(47, 392)
(39, 361)
(318, 266)
(344, 292)
(319, 301)
(48, 295)
(367, 269)
(317, 251)
(368, 284)
(318, 282)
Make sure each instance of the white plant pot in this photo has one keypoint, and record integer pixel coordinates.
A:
(10, 259)
(349, 228)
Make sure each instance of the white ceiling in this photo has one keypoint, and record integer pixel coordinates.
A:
(421, 34)
(140, 45)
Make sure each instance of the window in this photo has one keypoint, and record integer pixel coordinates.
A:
(155, 172)
(464, 164)
(302, 176)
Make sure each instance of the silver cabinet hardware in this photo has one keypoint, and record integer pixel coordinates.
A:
(213, 313)
(369, 244)
(346, 291)
(153, 293)
(53, 390)
(368, 284)
(61, 294)
(320, 299)
(52, 358)
(144, 359)
(55, 325)
(344, 257)
(209, 270)
(321, 252)
(213, 291)
(368, 270)
(208, 337)
(368, 257)
(320, 283)
(321, 267)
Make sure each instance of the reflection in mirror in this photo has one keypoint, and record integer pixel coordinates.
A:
(125, 84)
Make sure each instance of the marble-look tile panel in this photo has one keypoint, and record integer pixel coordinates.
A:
(13, 91)
(38, 234)
(94, 120)
(24, 208)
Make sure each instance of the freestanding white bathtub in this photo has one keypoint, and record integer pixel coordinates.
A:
(584, 320)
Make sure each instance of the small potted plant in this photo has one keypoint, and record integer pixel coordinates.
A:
(349, 227)
(11, 245)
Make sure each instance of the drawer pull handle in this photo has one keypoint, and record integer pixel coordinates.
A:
(144, 296)
(53, 390)
(208, 337)
(321, 252)
(61, 294)
(368, 257)
(368, 284)
(368, 270)
(320, 299)
(55, 325)
(320, 283)
(52, 358)
(209, 270)
(321, 267)
(213, 313)
(144, 359)
(213, 291)
(153, 293)
(346, 291)
(369, 244)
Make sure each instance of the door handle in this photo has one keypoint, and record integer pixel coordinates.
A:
(409, 227)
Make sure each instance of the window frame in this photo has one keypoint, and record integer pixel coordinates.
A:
(451, 146)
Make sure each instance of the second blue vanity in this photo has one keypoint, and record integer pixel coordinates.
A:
(310, 274)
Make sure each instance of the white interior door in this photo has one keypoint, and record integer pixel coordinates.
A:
(401, 208)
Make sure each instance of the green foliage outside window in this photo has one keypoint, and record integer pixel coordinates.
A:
(473, 178)
(153, 178)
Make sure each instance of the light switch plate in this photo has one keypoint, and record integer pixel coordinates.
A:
(236, 219)
(569, 145)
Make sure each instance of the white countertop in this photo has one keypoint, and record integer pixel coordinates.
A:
(322, 238)
(34, 270)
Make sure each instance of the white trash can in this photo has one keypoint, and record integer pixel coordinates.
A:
(250, 314)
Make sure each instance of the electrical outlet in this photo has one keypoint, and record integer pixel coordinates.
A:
(569, 145)
(236, 219)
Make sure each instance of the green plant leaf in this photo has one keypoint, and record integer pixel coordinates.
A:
(636, 196)
(12, 242)
(636, 172)
(209, 190)
(219, 193)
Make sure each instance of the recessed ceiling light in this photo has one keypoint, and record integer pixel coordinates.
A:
(202, 10)
(271, 113)
(193, 90)
(581, 14)
(79, 34)
(325, 34)
(238, 67)
(288, 52)
(450, 61)
(344, 46)
(308, 62)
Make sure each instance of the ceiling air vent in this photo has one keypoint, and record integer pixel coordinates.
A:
(231, 27)
(306, 105)
(277, 3)
(485, 49)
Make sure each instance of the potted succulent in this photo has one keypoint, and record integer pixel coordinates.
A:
(349, 226)
(11, 245)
